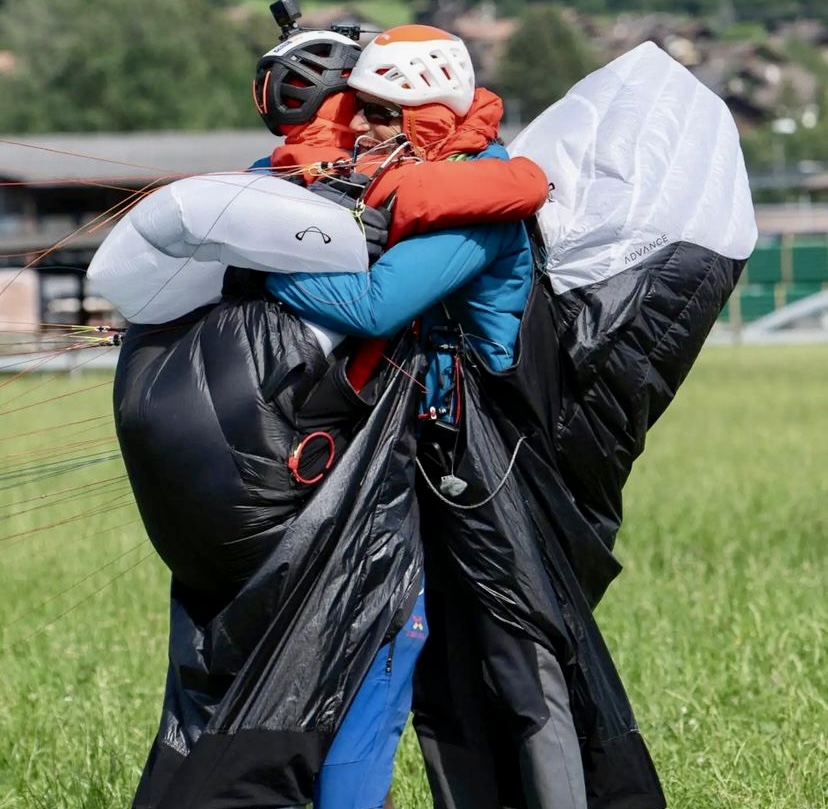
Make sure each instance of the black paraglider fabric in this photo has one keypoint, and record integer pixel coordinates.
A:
(265, 660)
(269, 643)
(556, 436)
(626, 345)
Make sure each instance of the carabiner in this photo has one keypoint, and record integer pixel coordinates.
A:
(296, 456)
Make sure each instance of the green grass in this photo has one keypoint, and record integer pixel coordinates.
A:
(717, 623)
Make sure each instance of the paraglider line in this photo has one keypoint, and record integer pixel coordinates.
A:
(102, 509)
(402, 370)
(49, 356)
(54, 398)
(126, 205)
(55, 427)
(53, 470)
(469, 506)
(34, 468)
(32, 366)
(81, 155)
(66, 447)
(77, 604)
(17, 618)
(63, 495)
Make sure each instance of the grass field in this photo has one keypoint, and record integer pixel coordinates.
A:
(718, 622)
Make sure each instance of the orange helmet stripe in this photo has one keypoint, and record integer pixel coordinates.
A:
(412, 33)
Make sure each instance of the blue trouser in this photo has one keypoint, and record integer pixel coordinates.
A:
(359, 767)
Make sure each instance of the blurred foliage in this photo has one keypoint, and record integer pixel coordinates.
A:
(543, 59)
(386, 13)
(188, 64)
(157, 64)
(763, 11)
(744, 32)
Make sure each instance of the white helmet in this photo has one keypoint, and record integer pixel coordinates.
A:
(412, 65)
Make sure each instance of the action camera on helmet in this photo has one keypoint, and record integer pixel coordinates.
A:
(286, 12)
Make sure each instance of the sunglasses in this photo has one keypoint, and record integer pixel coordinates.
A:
(377, 113)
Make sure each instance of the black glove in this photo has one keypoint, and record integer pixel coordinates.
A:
(343, 189)
(294, 179)
(346, 191)
(243, 283)
(375, 224)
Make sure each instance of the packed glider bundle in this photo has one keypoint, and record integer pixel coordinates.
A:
(646, 233)
(167, 256)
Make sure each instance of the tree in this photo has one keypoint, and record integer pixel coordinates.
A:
(543, 59)
(119, 65)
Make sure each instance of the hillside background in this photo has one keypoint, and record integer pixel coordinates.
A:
(188, 64)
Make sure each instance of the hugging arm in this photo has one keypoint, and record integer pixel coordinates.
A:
(407, 280)
(470, 191)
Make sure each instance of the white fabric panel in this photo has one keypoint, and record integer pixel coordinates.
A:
(642, 154)
(327, 338)
(168, 254)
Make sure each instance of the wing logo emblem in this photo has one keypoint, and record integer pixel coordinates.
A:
(313, 229)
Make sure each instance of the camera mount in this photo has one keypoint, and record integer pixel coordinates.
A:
(286, 12)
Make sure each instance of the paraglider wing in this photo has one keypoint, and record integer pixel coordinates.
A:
(519, 540)
(167, 256)
(649, 227)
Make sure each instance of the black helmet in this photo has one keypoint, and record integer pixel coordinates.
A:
(295, 77)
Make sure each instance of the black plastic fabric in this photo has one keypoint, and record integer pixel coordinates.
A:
(626, 345)
(555, 437)
(282, 593)
(269, 644)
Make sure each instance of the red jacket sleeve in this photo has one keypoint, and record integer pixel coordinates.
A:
(454, 193)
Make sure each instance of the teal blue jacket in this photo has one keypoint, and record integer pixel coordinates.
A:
(469, 284)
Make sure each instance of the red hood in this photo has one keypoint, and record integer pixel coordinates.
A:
(436, 133)
(327, 137)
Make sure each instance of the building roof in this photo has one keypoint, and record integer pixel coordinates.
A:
(141, 157)
(135, 156)
(792, 218)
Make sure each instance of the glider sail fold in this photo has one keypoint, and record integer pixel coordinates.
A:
(642, 156)
(647, 232)
(168, 254)
(282, 591)
(649, 227)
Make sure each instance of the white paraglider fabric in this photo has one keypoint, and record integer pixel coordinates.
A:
(168, 254)
(642, 155)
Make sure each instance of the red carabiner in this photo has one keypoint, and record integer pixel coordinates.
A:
(293, 461)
